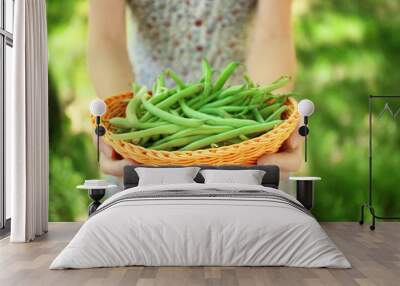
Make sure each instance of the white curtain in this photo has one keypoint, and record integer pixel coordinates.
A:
(27, 124)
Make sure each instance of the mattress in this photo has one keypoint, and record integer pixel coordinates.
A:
(201, 225)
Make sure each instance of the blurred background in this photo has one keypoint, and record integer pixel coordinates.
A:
(346, 50)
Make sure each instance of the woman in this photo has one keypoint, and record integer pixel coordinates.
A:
(178, 34)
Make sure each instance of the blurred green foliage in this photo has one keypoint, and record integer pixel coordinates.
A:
(72, 157)
(346, 50)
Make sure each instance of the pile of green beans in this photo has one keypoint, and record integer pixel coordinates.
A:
(204, 114)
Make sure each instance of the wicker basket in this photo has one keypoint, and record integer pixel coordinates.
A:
(244, 153)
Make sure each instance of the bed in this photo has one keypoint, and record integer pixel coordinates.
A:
(199, 224)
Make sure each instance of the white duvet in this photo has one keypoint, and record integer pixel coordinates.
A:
(192, 231)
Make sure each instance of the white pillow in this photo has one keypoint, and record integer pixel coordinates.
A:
(166, 176)
(247, 177)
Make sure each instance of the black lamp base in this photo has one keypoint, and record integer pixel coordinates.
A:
(96, 195)
(305, 193)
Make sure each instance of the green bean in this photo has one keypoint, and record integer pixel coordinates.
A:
(170, 117)
(261, 127)
(209, 110)
(283, 95)
(266, 97)
(280, 82)
(120, 130)
(120, 122)
(199, 101)
(217, 111)
(160, 83)
(164, 129)
(236, 108)
(176, 142)
(136, 87)
(144, 140)
(277, 113)
(248, 81)
(155, 137)
(207, 73)
(213, 120)
(131, 110)
(235, 140)
(132, 107)
(131, 115)
(212, 111)
(154, 88)
(269, 109)
(230, 91)
(169, 99)
(162, 96)
(189, 91)
(245, 96)
(225, 74)
(257, 98)
(225, 101)
(125, 124)
(225, 114)
(134, 141)
(164, 101)
(205, 101)
(174, 112)
(152, 119)
(203, 130)
(207, 91)
(245, 102)
(232, 108)
(179, 82)
(194, 100)
(257, 115)
(146, 125)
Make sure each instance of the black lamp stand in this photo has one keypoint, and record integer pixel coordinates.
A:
(303, 131)
(369, 204)
(100, 131)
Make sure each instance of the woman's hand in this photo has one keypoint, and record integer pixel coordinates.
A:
(288, 158)
(111, 163)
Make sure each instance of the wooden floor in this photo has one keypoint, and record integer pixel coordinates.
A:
(375, 257)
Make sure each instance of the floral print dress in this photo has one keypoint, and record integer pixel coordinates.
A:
(178, 34)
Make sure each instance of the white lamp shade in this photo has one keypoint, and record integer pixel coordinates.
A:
(97, 107)
(306, 107)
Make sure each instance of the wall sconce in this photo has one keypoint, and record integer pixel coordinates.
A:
(97, 109)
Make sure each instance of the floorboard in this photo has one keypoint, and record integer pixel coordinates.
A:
(375, 257)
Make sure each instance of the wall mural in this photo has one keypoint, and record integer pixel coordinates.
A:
(338, 60)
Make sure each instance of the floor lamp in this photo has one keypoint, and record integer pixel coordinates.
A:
(306, 109)
(369, 204)
(97, 109)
